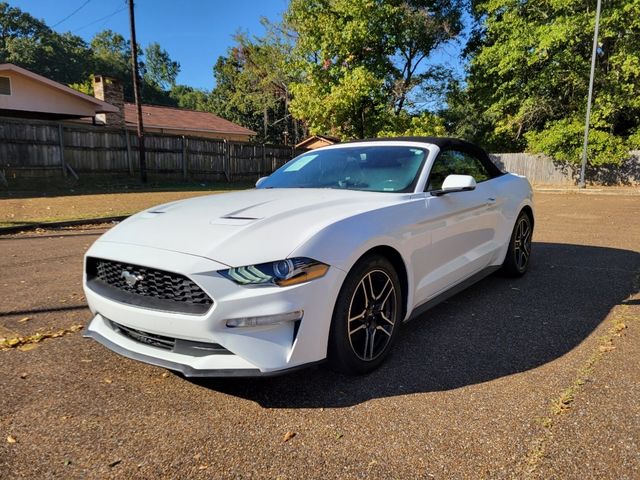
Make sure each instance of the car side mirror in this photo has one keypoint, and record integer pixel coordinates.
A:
(260, 181)
(456, 183)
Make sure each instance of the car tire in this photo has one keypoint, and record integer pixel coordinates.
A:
(366, 317)
(516, 263)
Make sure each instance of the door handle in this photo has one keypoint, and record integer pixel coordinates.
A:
(491, 200)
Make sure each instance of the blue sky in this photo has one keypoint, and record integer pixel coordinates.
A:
(194, 32)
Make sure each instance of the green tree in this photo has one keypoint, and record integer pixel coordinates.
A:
(252, 86)
(160, 69)
(191, 98)
(423, 125)
(529, 75)
(112, 57)
(363, 61)
(31, 44)
(112, 54)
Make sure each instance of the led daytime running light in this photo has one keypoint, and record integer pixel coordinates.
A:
(265, 319)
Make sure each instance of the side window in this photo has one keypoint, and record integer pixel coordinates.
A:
(451, 162)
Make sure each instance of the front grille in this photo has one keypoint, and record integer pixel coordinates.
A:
(146, 287)
(176, 345)
(166, 343)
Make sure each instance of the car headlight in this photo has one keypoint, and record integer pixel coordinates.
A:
(284, 273)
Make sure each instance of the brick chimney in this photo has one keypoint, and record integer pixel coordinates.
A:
(109, 90)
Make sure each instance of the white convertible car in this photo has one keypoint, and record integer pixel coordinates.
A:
(324, 260)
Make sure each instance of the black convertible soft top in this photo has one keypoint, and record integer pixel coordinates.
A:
(447, 143)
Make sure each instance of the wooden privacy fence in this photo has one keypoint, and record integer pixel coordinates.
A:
(538, 169)
(542, 170)
(30, 148)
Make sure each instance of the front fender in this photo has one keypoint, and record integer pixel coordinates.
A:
(343, 243)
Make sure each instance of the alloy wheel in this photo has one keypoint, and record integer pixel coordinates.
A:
(522, 242)
(372, 315)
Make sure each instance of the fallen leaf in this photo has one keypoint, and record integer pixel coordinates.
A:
(67, 462)
(114, 463)
(27, 347)
(25, 319)
(606, 348)
(108, 380)
(11, 439)
(23, 375)
(203, 467)
(339, 436)
(288, 436)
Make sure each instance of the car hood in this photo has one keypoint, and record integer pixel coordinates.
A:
(245, 227)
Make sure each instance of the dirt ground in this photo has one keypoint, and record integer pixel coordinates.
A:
(60, 206)
(529, 378)
(25, 211)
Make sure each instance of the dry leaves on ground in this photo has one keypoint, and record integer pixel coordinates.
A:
(288, 436)
(28, 342)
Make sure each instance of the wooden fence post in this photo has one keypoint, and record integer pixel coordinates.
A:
(61, 143)
(129, 158)
(185, 157)
(254, 157)
(226, 161)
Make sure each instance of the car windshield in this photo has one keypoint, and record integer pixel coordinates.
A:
(371, 168)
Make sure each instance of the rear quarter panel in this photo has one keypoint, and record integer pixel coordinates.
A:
(514, 193)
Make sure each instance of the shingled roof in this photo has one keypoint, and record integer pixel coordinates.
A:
(172, 118)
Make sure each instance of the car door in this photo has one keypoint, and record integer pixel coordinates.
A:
(462, 226)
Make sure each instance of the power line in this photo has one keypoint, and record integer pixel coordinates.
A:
(101, 19)
(72, 13)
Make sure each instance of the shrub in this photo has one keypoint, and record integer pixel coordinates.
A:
(562, 140)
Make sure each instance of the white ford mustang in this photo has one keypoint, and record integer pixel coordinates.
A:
(324, 260)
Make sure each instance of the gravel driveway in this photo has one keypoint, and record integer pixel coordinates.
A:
(528, 378)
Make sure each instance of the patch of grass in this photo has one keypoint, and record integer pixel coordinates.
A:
(534, 455)
(100, 184)
(15, 212)
(62, 218)
(567, 398)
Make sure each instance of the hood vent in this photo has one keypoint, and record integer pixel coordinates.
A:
(236, 217)
(233, 220)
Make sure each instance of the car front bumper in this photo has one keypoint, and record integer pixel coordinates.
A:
(244, 351)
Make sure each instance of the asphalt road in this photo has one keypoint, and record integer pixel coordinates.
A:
(468, 393)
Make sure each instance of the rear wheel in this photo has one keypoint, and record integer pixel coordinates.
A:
(366, 317)
(518, 256)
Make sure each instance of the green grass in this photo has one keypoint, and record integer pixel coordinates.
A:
(97, 184)
(66, 218)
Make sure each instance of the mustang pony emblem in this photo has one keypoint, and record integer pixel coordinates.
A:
(130, 278)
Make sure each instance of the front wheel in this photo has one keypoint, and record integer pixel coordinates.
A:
(518, 256)
(366, 317)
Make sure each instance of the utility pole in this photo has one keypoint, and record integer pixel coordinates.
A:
(136, 94)
(582, 183)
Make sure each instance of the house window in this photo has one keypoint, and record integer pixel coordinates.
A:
(5, 86)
